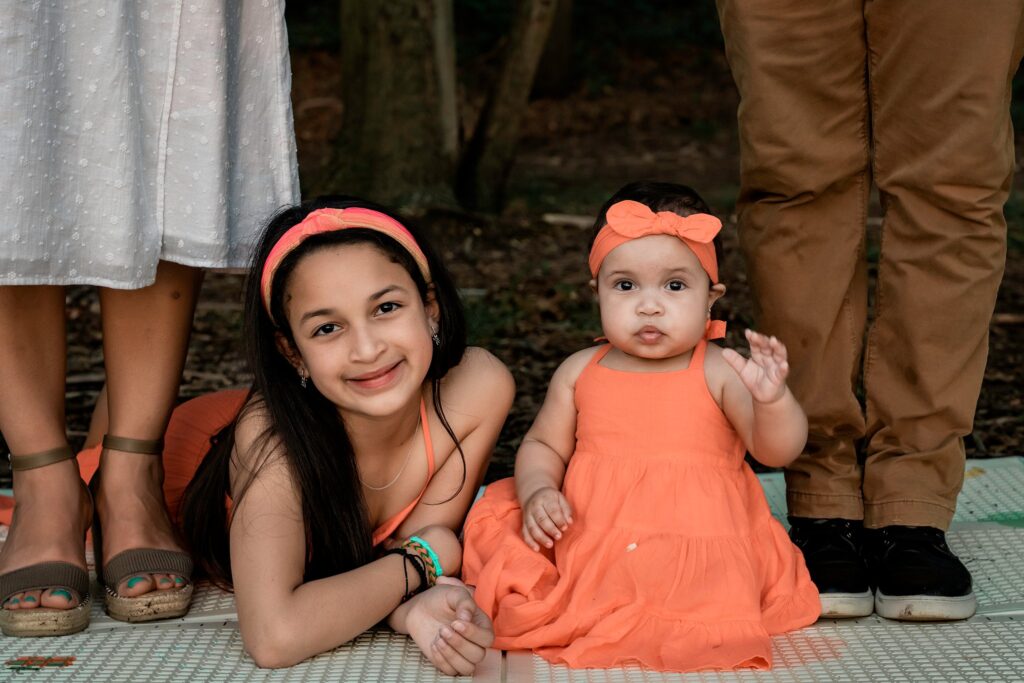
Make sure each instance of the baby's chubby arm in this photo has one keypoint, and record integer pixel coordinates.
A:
(755, 398)
(544, 455)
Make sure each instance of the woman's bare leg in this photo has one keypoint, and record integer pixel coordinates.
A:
(145, 341)
(52, 510)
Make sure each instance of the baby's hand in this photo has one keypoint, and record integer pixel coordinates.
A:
(546, 514)
(764, 373)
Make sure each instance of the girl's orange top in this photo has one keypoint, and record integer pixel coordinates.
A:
(674, 561)
(187, 441)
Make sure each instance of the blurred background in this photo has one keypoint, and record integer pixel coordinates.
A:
(503, 126)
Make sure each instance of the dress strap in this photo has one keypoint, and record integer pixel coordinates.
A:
(384, 531)
(699, 352)
(599, 354)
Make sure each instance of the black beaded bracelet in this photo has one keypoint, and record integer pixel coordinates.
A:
(416, 561)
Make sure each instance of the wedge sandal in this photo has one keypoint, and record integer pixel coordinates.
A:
(44, 621)
(157, 604)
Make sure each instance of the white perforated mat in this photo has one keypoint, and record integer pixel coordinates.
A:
(211, 652)
(868, 650)
(993, 492)
(988, 534)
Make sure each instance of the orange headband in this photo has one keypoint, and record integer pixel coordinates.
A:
(332, 220)
(628, 220)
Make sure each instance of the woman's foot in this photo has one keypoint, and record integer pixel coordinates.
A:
(133, 514)
(52, 511)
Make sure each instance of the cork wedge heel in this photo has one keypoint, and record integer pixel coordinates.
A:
(157, 604)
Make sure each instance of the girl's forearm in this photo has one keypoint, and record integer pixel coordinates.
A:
(779, 431)
(320, 615)
(537, 466)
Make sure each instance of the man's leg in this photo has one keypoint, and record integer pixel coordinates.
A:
(804, 132)
(940, 90)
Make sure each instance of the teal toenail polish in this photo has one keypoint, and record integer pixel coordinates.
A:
(165, 580)
(134, 581)
(15, 601)
(178, 580)
(30, 598)
(61, 593)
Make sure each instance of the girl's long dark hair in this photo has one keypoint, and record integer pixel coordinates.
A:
(304, 427)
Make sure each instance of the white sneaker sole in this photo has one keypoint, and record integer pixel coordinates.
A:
(846, 605)
(925, 607)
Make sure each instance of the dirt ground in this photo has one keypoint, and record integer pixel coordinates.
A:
(523, 274)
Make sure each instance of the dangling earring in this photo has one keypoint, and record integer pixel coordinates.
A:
(436, 338)
(303, 379)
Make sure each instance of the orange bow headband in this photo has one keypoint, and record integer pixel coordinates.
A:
(332, 220)
(628, 220)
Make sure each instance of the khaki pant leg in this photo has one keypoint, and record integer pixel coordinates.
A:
(800, 68)
(939, 74)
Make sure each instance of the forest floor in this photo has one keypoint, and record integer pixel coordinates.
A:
(523, 273)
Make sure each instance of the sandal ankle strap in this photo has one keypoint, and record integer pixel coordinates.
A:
(141, 446)
(40, 459)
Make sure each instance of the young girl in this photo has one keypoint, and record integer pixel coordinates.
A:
(633, 531)
(358, 451)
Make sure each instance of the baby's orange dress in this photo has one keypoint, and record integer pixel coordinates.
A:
(673, 562)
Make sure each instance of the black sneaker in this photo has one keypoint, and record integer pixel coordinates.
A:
(918, 578)
(832, 551)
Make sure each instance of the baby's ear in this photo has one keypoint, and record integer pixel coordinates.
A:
(288, 350)
(716, 292)
(593, 285)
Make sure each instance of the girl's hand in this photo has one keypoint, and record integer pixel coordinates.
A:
(764, 373)
(546, 514)
(449, 628)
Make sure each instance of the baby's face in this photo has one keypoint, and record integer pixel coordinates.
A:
(655, 297)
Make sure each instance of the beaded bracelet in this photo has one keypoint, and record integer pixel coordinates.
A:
(418, 566)
(419, 554)
(418, 545)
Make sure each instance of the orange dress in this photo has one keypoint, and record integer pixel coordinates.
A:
(674, 561)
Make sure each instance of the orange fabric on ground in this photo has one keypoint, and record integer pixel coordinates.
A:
(187, 441)
(674, 561)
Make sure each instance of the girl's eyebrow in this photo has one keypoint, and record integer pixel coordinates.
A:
(373, 297)
(386, 290)
(313, 314)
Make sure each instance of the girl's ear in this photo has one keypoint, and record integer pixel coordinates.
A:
(432, 307)
(288, 350)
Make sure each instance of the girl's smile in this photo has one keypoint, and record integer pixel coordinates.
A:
(377, 379)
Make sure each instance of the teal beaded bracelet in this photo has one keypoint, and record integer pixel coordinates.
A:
(430, 551)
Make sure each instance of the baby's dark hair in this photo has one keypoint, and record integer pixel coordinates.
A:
(658, 196)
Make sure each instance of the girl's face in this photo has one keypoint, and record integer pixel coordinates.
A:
(655, 297)
(361, 330)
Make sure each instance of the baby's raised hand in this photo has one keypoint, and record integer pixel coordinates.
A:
(546, 514)
(764, 373)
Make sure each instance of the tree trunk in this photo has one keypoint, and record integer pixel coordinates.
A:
(554, 73)
(489, 155)
(399, 137)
